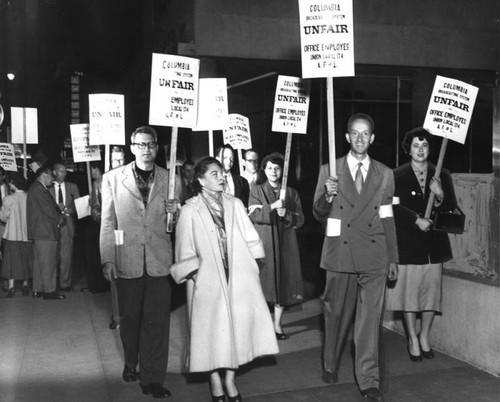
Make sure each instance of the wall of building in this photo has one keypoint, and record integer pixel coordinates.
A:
(469, 327)
(448, 33)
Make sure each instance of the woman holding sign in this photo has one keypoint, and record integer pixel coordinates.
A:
(216, 247)
(276, 220)
(422, 250)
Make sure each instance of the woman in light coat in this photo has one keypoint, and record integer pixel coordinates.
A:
(17, 249)
(215, 252)
(275, 218)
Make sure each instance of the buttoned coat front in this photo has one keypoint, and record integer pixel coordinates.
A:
(145, 237)
(367, 239)
(229, 321)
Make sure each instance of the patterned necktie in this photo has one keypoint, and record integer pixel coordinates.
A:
(61, 199)
(358, 180)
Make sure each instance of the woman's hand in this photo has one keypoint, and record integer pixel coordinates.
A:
(436, 188)
(281, 211)
(278, 204)
(424, 224)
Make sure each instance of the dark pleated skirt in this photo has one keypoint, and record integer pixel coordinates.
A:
(17, 259)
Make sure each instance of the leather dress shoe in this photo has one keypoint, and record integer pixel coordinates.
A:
(330, 377)
(36, 295)
(373, 394)
(156, 390)
(53, 296)
(130, 374)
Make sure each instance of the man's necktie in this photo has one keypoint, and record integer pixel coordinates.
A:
(61, 199)
(358, 180)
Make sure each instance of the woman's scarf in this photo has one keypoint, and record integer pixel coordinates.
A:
(217, 211)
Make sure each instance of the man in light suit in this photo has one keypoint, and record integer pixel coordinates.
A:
(235, 184)
(359, 251)
(65, 193)
(44, 220)
(134, 234)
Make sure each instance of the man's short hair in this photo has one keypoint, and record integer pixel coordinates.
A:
(144, 130)
(41, 171)
(361, 116)
(220, 150)
(250, 150)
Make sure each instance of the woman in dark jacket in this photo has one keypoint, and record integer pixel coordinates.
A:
(422, 250)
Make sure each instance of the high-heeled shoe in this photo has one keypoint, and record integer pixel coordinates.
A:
(236, 398)
(221, 398)
(414, 358)
(426, 355)
(281, 337)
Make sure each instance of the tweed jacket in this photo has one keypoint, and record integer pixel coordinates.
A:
(367, 239)
(146, 243)
(72, 193)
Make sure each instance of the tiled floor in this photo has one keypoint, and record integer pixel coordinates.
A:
(64, 351)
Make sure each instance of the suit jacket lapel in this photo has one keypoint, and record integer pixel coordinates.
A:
(129, 181)
(370, 187)
(346, 183)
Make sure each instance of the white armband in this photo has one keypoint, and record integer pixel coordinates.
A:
(385, 211)
(395, 200)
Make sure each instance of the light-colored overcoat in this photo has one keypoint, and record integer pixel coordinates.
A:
(229, 321)
(144, 228)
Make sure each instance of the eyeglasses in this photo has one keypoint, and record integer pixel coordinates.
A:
(144, 145)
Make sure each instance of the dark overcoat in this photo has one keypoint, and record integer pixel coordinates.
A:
(417, 247)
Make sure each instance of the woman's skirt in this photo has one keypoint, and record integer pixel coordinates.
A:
(17, 259)
(418, 288)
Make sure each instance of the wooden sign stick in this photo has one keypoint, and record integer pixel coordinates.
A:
(331, 126)
(171, 176)
(284, 178)
(240, 160)
(436, 176)
(107, 158)
(89, 177)
(211, 143)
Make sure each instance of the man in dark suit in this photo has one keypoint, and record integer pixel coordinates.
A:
(235, 184)
(64, 194)
(44, 220)
(359, 251)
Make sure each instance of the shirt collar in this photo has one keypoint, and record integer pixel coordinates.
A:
(352, 162)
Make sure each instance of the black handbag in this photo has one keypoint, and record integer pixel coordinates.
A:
(450, 221)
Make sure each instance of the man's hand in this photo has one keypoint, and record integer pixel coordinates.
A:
(393, 271)
(331, 186)
(171, 205)
(109, 271)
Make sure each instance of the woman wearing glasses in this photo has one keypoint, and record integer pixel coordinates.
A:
(216, 247)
